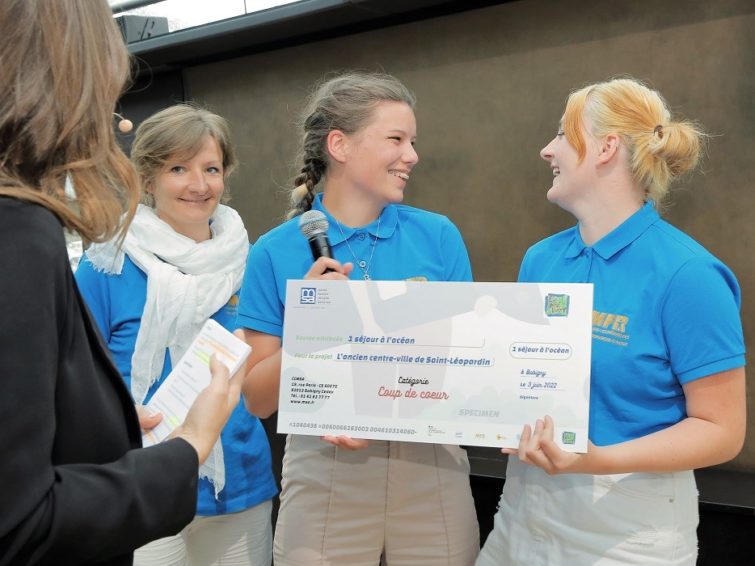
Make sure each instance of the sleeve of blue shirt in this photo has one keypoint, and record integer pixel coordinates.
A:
(701, 321)
(259, 305)
(458, 267)
(94, 289)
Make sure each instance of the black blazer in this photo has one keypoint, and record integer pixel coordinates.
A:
(75, 485)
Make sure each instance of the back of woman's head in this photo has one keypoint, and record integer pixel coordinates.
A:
(659, 148)
(177, 133)
(345, 102)
(63, 65)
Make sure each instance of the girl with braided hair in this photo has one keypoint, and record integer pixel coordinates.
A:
(347, 501)
(667, 374)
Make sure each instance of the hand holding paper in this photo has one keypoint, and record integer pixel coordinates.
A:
(195, 400)
(210, 411)
(148, 418)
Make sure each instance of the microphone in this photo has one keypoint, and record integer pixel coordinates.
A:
(124, 125)
(314, 226)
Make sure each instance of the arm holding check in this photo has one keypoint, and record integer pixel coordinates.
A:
(262, 383)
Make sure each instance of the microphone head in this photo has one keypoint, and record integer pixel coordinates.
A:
(125, 126)
(313, 222)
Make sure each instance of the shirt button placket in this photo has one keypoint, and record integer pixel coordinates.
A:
(359, 237)
(588, 262)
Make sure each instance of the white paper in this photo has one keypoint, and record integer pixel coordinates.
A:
(191, 375)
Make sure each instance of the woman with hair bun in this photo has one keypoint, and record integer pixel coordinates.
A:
(667, 377)
(346, 501)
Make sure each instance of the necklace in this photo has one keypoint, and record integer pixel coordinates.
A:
(363, 265)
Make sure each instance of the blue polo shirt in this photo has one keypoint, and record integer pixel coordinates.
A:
(408, 243)
(666, 312)
(117, 303)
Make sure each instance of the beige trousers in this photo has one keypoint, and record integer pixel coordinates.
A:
(235, 539)
(407, 503)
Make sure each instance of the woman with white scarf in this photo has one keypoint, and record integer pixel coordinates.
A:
(181, 263)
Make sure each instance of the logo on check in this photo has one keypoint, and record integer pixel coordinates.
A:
(556, 305)
(307, 295)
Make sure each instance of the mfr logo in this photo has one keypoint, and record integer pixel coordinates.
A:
(307, 295)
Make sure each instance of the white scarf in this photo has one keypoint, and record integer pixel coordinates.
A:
(187, 282)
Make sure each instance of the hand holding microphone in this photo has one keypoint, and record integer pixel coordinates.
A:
(314, 226)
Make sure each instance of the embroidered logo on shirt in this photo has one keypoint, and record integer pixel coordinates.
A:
(232, 306)
(610, 327)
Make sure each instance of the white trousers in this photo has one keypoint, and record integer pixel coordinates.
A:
(577, 519)
(235, 539)
(408, 503)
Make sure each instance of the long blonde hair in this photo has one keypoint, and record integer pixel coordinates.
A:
(63, 65)
(660, 148)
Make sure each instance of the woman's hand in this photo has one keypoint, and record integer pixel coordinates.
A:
(712, 433)
(537, 448)
(148, 418)
(210, 411)
(329, 268)
(346, 442)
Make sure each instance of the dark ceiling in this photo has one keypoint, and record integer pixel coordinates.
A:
(283, 26)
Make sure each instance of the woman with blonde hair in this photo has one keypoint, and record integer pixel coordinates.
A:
(667, 378)
(76, 486)
(180, 264)
(347, 501)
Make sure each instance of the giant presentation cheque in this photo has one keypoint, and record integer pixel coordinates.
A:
(451, 363)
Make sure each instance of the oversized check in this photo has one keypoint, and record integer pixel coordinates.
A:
(451, 363)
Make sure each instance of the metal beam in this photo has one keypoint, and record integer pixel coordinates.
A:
(280, 26)
(118, 6)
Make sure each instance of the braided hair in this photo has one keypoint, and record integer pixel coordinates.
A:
(346, 103)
